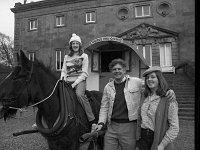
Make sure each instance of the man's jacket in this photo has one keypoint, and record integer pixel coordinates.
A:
(132, 93)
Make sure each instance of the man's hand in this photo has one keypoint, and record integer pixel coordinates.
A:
(171, 95)
(99, 127)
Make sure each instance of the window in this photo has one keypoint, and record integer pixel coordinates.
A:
(146, 51)
(143, 11)
(60, 20)
(165, 55)
(33, 24)
(32, 56)
(59, 59)
(90, 17)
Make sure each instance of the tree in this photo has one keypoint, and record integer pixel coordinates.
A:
(6, 50)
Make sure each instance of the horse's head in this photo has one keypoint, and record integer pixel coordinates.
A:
(14, 88)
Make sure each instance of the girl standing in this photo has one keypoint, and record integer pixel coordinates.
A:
(159, 116)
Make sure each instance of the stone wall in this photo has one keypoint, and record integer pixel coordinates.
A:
(48, 38)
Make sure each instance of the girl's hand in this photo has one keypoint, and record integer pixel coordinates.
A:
(161, 147)
(73, 85)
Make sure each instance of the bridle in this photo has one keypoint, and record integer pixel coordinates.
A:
(27, 81)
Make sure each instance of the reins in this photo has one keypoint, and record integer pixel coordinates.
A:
(23, 109)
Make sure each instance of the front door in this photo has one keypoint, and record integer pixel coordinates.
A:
(105, 58)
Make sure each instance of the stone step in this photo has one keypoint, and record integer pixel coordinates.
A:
(185, 94)
(186, 109)
(180, 98)
(183, 98)
(190, 105)
(189, 114)
(178, 89)
(187, 97)
(189, 89)
(185, 101)
(186, 118)
(179, 82)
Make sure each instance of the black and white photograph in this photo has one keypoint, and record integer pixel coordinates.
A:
(97, 75)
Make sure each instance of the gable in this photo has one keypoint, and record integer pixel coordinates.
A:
(147, 31)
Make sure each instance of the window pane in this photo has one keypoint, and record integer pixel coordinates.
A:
(36, 24)
(148, 53)
(127, 60)
(138, 11)
(59, 60)
(33, 24)
(87, 17)
(62, 20)
(146, 10)
(140, 49)
(162, 55)
(93, 16)
(59, 20)
(32, 56)
(168, 55)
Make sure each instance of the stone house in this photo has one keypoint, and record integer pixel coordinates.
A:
(143, 32)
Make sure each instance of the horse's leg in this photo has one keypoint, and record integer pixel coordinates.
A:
(57, 145)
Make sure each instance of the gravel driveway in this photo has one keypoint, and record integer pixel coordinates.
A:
(35, 141)
(21, 122)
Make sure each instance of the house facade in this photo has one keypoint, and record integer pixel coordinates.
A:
(142, 32)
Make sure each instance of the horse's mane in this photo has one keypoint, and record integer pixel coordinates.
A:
(47, 69)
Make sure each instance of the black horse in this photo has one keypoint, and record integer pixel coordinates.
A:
(60, 117)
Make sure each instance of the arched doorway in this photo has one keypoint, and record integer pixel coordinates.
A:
(103, 50)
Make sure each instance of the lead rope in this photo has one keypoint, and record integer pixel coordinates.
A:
(23, 109)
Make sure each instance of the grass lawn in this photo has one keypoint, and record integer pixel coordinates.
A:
(185, 139)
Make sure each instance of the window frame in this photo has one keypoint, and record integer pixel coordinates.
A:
(63, 20)
(34, 55)
(165, 49)
(90, 21)
(61, 57)
(144, 52)
(142, 6)
(35, 25)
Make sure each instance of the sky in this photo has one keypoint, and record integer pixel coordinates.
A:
(7, 16)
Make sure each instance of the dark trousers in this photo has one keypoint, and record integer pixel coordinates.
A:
(146, 140)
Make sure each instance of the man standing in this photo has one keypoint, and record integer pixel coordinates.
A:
(119, 108)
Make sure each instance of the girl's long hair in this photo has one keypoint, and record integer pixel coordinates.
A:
(71, 52)
(162, 85)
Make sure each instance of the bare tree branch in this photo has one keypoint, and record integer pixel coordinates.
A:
(6, 50)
